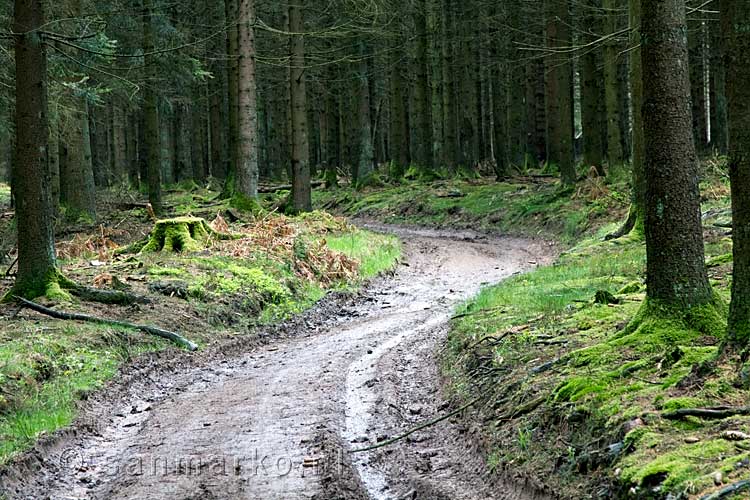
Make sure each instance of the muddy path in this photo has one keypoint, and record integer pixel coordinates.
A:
(278, 422)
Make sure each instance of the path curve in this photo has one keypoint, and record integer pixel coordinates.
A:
(278, 423)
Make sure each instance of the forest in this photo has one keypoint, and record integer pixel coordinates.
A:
(375, 249)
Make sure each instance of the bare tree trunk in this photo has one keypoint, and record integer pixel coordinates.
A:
(31, 176)
(736, 28)
(676, 271)
(151, 131)
(77, 189)
(611, 87)
(422, 98)
(247, 165)
(301, 190)
(592, 93)
(560, 91)
(697, 63)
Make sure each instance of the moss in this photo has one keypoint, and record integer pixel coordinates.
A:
(575, 388)
(53, 286)
(181, 234)
(630, 288)
(676, 469)
(245, 203)
(720, 260)
(681, 402)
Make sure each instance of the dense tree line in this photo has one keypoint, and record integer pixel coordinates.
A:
(147, 93)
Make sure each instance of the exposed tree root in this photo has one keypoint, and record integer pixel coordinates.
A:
(728, 491)
(627, 226)
(106, 296)
(152, 330)
(707, 413)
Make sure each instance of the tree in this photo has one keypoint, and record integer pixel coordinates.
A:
(301, 191)
(560, 90)
(611, 89)
(247, 166)
(676, 272)
(37, 272)
(152, 134)
(735, 18)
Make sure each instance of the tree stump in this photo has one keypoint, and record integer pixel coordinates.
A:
(181, 234)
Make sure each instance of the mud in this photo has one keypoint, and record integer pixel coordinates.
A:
(277, 417)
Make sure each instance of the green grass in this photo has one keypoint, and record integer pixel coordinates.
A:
(509, 207)
(4, 195)
(598, 371)
(47, 366)
(375, 253)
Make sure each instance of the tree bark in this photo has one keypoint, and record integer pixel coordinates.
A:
(736, 29)
(231, 7)
(560, 91)
(676, 271)
(611, 88)
(422, 99)
(301, 190)
(77, 188)
(636, 98)
(719, 119)
(366, 163)
(152, 134)
(697, 63)
(31, 175)
(592, 92)
(247, 165)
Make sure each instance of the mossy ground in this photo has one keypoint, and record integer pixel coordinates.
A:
(601, 375)
(525, 206)
(272, 267)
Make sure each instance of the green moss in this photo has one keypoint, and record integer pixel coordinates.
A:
(720, 260)
(681, 402)
(245, 203)
(674, 469)
(575, 388)
(181, 234)
(630, 288)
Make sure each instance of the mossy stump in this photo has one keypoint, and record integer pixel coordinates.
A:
(181, 234)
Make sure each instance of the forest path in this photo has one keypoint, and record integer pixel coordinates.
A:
(277, 423)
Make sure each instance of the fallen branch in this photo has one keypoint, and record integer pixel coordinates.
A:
(728, 491)
(174, 337)
(708, 413)
(420, 427)
(285, 187)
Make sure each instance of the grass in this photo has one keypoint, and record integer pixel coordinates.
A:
(375, 253)
(278, 267)
(4, 195)
(515, 207)
(600, 381)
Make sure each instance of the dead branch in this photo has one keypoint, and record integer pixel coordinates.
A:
(152, 330)
(708, 413)
(728, 491)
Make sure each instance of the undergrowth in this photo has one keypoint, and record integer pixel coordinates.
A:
(273, 266)
(580, 374)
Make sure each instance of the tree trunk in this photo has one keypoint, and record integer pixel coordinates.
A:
(559, 91)
(31, 176)
(676, 271)
(120, 142)
(611, 87)
(636, 98)
(247, 166)
(231, 7)
(77, 189)
(365, 166)
(697, 63)
(450, 132)
(592, 92)
(736, 29)
(719, 132)
(422, 96)
(151, 131)
(301, 190)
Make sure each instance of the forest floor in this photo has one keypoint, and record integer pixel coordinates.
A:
(571, 398)
(273, 268)
(563, 401)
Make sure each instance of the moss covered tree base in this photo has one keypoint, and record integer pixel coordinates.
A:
(181, 234)
(669, 323)
(58, 288)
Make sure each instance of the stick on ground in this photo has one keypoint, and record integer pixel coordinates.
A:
(152, 330)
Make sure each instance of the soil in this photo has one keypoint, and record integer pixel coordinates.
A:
(277, 417)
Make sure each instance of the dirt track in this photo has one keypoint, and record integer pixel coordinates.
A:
(279, 422)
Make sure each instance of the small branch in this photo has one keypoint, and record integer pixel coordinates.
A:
(152, 330)
(728, 491)
(420, 427)
(708, 413)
